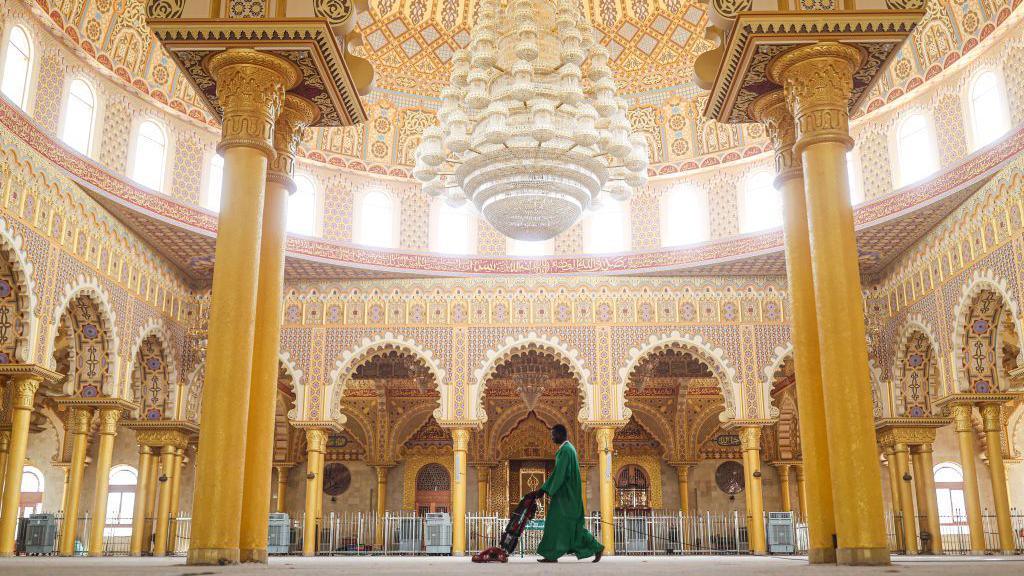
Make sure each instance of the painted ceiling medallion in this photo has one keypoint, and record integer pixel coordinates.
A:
(531, 130)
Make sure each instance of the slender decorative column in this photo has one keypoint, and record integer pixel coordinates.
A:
(605, 438)
(282, 487)
(5, 445)
(683, 471)
(460, 445)
(382, 505)
(141, 498)
(295, 116)
(972, 500)
(991, 414)
(250, 88)
(584, 472)
(818, 82)
(906, 489)
(771, 109)
(151, 496)
(750, 439)
(927, 499)
(316, 442)
(784, 491)
(483, 478)
(172, 523)
(894, 491)
(22, 397)
(108, 418)
(78, 426)
(163, 509)
(801, 490)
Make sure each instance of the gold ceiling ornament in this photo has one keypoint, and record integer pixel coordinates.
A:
(531, 129)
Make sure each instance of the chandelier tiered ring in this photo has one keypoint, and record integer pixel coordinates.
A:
(531, 131)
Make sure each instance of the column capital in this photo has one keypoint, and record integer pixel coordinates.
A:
(250, 89)
(961, 413)
(79, 420)
(750, 437)
(460, 438)
(296, 115)
(23, 390)
(772, 111)
(108, 419)
(991, 415)
(818, 82)
(316, 439)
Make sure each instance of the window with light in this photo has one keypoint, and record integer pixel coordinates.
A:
(121, 501)
(214, 183)
(949, 491)
(990, 118)
(79, 116)
(302, 207)
(918, 157)
(17, 67)
(528, 248)
(762, 203)
(376, 220)
(684, 216)
(150, 155)
(454, 229)
(32, 489)
(606, 229)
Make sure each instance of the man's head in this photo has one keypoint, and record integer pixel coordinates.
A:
(559, 434)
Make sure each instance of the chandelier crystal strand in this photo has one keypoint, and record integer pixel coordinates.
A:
(530, 128)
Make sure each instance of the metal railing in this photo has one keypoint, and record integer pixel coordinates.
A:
(347, 533)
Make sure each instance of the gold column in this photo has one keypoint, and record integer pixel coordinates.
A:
(172, 524)
(801, 491)
(250, 87)
(894, 490)
(296, 114)
(382, 503)
(818, 81)
(784, 492)
(78, 426)
(107, 431)
(22, 397)
(460, 445)
(771, 109)
(151, 494)
(483, 477)
(927, 499)
(683, 472)
(5, 443)
(282, 487)
(605, 439)
(972, 500)
(906, 490)
(141, 498)
(316, 442)
(750, 438)
(584, 472)
(163, 508)
(991, 413)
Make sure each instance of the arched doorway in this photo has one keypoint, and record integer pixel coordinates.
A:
(633, 489)
(433, 489)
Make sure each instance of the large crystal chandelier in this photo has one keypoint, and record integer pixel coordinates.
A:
(531, 130)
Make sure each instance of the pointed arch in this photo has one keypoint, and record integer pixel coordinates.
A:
(193, 394)
(153, 373)
(513, 346)
(916, 369)
(695, 344)
(94, 365)
(779, 357)
(985, 301)
(17, 299)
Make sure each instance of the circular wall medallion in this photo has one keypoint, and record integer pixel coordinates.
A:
(337, 479)
(729, 477)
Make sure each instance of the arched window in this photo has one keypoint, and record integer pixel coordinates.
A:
(606, 230)
(376, 220)
(453, 229)
(32, 487)
(762, 203)
(918, 157)
(684, 216)
(150, 155)
(853, 177)
(433, 489)
(949, 490)
(302, 207)
(79, 116)
(528, 247)
(990, 117)
(633, 488)
(121, 500)
(17, 67)
(214, 183)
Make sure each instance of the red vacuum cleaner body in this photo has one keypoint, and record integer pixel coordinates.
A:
(521, 516)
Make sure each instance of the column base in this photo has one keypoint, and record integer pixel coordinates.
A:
(212, 556)
(821, 556)
(863, 557)
(254, 555)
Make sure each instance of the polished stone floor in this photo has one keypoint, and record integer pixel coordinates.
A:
(618, 566)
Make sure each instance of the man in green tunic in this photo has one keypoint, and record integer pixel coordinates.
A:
(564, 532)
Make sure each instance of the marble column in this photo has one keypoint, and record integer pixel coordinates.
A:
(605, 449)
(108, 418)
(460, 445)
(141, 497)
(750, 439)
(972, 499)
(927, 499)
(22, 398)
(316, 444)
(991, 414)
(163, 509)
(78, 427)
(906, 489)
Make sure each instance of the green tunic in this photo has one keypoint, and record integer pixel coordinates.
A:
(564, 532)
